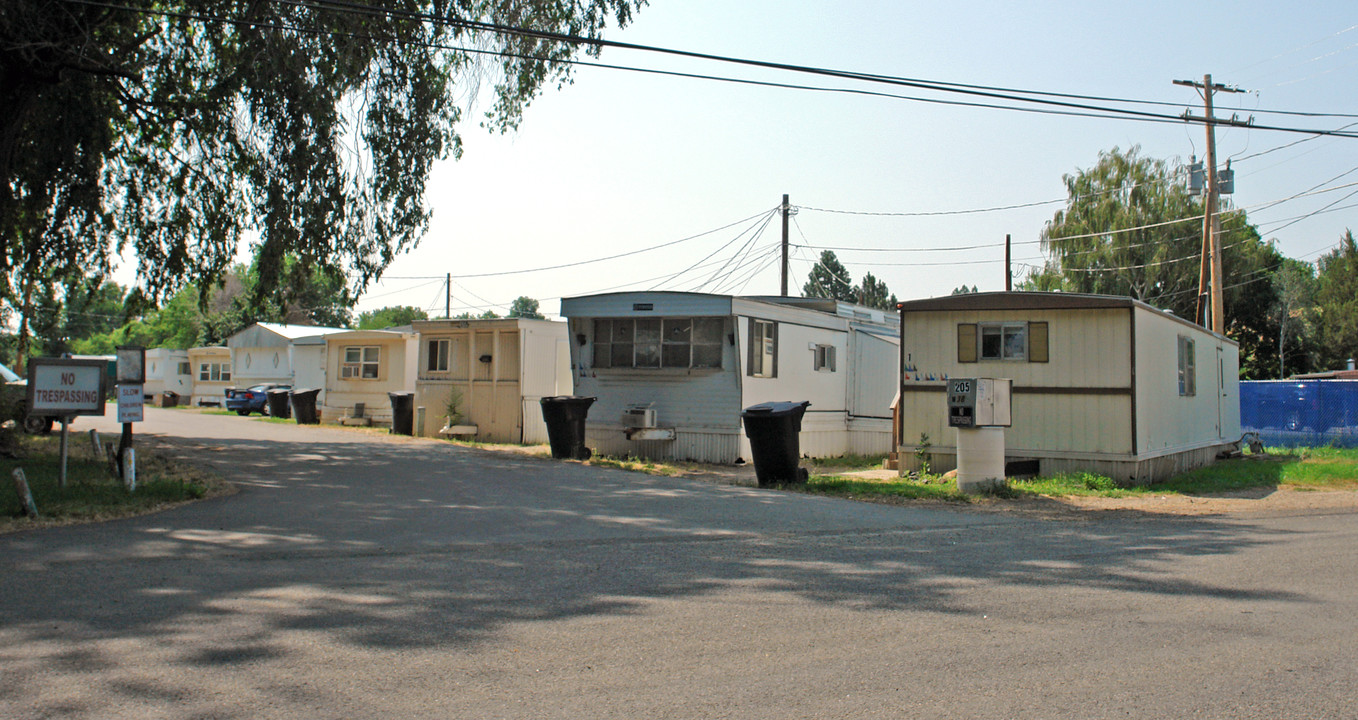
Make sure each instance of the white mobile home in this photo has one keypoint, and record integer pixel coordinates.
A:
(1105, 384)
(262, 352)
(168, 371)
(361, 367)
(672, 371)
(498, 370)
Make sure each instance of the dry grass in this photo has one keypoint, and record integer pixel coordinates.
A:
(93, 492)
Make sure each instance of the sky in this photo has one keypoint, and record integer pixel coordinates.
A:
(619, 162)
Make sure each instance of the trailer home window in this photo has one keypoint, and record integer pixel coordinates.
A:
(825, 359)
(1004, 341)
(1188, 370)
(438, 356)
(652, 343)
(763, 361)
(1018, 341)
(360, 363)
(214, 372)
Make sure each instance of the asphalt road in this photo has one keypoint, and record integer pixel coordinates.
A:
(358, 576)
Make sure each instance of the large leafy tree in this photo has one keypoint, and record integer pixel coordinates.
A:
(177, 324)
(392, 316)
(1131, 228)
(1337, 304)
(172, 130)
(1296, 287)
(186, 320)
(525, 307)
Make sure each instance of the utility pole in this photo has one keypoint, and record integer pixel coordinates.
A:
(785, 214)
(447, 296)
(1008, 267)
(1211, 222)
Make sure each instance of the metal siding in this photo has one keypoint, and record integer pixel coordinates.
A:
(699, 401)
(717, 447)
(1230, 392)
(208, 390)
(702, 406)
(392, 375)
(162, 372)
(664, 305)
(797, 379)
(1166, 420)
(254, 364)
(500, 397)
(308, 369)
(545, 360)
(869, 436)
(534, 427)
(1088, 349)
(874, 374)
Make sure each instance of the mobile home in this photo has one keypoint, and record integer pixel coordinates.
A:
(262, 352)
(362, 367)
(496, 371)
(211, 374)
(1100, 383)
(672, 371)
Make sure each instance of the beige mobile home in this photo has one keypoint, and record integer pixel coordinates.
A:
(211, 374)
(1100, 383)
(498, 370)
(362, 366)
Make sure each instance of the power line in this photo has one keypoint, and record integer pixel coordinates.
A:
(768, 217)
(758, 261)
(744, 248)
(1007, 94)
(581, 262)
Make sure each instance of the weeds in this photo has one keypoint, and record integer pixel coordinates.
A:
(922, 454)
(92, 492)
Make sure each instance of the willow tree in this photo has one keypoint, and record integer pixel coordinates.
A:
(172, 130)
(1130, 227)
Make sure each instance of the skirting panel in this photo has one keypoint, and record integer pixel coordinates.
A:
(1125, 472)
(717, 447)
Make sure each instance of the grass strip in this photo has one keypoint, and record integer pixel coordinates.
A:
(93, 492)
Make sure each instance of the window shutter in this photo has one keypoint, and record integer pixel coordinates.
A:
(750, 341)
(966, 342)
(1037, 342)
(773, 331)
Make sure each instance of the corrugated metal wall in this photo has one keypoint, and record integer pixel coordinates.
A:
(716, 446)
(873, 374)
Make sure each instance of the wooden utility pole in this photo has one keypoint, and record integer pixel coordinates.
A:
(783, 292)
(1211, 271)
(1008, 266)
